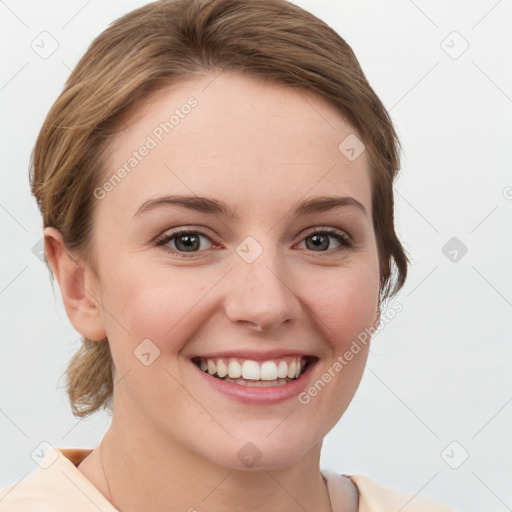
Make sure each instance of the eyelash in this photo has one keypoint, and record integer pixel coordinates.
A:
(346, 243)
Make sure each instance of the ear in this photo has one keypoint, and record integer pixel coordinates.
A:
(78, 286)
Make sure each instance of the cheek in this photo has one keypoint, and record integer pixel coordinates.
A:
(345, 309)
(344, 304)
(143, 292)
(160, 306)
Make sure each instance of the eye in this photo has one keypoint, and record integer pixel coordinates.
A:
(322, 239)
(185, 241)
(192, 241)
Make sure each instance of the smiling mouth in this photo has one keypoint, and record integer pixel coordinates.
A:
(251, 373)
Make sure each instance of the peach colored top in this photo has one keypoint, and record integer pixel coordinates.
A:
(58, 486)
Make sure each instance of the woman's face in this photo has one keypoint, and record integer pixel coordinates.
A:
(275, 270)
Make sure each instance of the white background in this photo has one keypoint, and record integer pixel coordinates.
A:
(440, 371)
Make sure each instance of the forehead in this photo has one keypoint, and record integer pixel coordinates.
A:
(235, 137)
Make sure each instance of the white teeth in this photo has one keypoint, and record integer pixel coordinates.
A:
(212, 367)
(282, 370)
(251, 370)
(222, 369)
(291, 370)
(268, 371)
(234, 369)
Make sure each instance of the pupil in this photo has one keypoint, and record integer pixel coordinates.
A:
(318, 241)
(188, 243)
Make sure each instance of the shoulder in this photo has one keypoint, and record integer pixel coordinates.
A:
(374, 497)
(56, 485)
(377, 498)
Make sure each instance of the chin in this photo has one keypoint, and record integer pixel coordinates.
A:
(255, 452)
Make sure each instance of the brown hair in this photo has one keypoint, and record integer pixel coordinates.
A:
(168, 42)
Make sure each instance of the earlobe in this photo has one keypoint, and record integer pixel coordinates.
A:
(76, 283)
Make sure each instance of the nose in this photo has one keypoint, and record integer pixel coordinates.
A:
(260, 295)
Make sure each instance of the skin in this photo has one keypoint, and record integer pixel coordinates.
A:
(261, 148)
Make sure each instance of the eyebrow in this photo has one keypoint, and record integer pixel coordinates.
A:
(311, 205)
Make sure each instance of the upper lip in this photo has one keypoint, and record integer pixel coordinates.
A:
(255, 355)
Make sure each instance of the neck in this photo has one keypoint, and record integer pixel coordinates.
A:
(146, 472)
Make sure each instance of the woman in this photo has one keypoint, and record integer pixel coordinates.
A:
(216, 189)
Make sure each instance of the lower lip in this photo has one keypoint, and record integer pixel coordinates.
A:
(259, 395)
